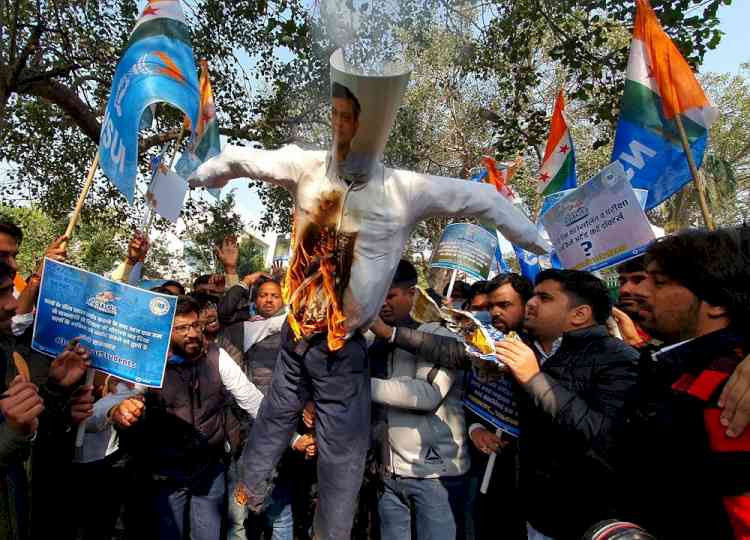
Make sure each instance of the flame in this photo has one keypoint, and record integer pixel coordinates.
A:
(310, 288)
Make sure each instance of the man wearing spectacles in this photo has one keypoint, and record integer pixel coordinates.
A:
(177, 434)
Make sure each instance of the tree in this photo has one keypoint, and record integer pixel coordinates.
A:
(93, 249)
(206, 230)
(56, 66)
(57, 59)
(251, 258)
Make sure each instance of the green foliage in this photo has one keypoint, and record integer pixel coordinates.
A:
(206, 229)
(38, 232)
(92, 248)
(485, 78)
(251, 258)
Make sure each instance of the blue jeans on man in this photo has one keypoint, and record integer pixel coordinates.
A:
(277, 516)
(438, 505)
(198, 507)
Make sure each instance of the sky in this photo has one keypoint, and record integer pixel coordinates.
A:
(733, 49)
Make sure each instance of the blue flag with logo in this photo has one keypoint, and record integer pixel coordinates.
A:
(157, 66)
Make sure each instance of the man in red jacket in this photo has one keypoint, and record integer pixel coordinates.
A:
(684, 477)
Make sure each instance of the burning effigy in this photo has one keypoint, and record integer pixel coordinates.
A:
(353, 217)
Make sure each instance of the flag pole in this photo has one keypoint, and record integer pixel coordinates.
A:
(81, 198)
(707, 218)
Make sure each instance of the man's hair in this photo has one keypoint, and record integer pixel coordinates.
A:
(582, 288)
(460, 289)
(405, 276)
(161, 289)
(520, 284)
(340, 91)
(262, 281)
(11, 229)
(476, 288)
(714, 266)
(205, 279)
(187, 304)
(638, 264)
(204, 300)
(6, 272)
(173, 283)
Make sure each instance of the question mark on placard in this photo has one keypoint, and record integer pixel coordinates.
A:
(587, 245)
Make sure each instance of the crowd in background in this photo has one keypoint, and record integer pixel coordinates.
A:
(631, 411)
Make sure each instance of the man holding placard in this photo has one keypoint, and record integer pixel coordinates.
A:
(574, 385)
(177, 434)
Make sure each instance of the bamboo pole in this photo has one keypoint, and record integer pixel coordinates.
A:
(707, 218)
(81, 199)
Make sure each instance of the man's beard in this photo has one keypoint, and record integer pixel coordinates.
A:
(178, 350)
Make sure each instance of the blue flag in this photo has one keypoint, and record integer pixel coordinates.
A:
(157, 66)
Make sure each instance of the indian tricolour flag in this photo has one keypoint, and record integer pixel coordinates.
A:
(204, 142)
(558, 170)
(660, 85)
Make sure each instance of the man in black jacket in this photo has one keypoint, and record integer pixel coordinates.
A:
(687, 478)
(177, 434)
(574, 383)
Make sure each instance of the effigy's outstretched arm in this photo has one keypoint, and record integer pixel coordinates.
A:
(279, 167)
(440, 196)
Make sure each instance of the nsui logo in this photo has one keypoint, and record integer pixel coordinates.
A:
(103, 302)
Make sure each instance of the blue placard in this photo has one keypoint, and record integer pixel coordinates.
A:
(494, 402)
(467, 248)
(126, 329)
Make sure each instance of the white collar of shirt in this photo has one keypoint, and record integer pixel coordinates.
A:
(655, 355)
(545, 355)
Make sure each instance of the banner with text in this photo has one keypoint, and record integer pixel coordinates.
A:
(600, 224)
(467, 248)
(494, 402)
(126, 329)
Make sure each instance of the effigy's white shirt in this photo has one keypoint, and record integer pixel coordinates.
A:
(379, 213)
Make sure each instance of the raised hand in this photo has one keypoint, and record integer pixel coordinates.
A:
(138, 248)
(277, 270)
(519, 358)
(250, 279)
(55, 251)
(70, 365)
(735, 400)
(228, 253)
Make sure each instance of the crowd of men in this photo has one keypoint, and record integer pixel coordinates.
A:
(630, 413)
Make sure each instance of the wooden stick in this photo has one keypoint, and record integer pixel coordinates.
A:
(694, 172)
(81, 199)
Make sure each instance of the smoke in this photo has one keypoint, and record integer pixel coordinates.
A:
(372, 33)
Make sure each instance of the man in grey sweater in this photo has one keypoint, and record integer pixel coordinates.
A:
(424, 456)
